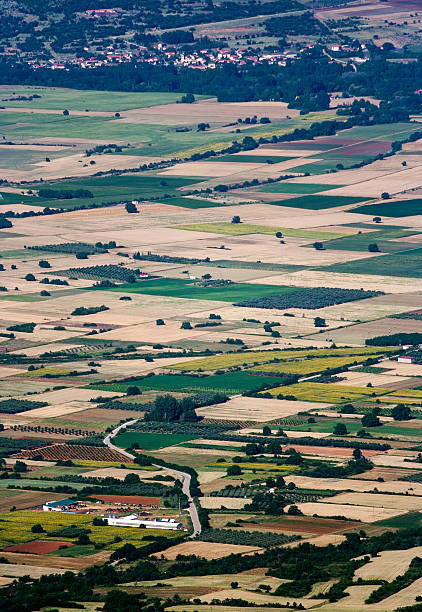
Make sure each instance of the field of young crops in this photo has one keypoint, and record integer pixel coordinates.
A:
(321, 392)
(255, 357)
(15, 528)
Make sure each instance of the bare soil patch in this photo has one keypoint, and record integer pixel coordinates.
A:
(207, 550)
(37, 547)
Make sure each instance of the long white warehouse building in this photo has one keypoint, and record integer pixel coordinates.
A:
(132, 520)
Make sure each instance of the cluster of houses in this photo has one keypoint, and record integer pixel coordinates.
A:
(164, 55)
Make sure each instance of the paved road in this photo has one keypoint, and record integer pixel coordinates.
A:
(186, 478)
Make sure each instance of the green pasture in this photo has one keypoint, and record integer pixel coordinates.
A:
(53, 98)
(232, 382)
(150, 441)
(383, 237)
(404, 264)
(384, 131)
(178, 288)
(240, 229)
(107, 189)
(355, 425)
(157, 140)
(319, 202)
(194, 203)
(300, 188)
(394, 208)
(33, 483)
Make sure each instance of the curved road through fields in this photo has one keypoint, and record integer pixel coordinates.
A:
(186, 478)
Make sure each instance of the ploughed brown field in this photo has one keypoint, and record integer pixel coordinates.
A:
(37, 547)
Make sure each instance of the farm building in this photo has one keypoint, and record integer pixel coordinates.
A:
(405, 359)
(132, 520)
(62, 505)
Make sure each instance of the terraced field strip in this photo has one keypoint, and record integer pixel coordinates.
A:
(240, 229)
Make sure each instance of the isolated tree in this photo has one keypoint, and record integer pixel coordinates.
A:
(294, 510)
(43, 263)
(234, 470)
(319, 322)
(401, 413)
(340, 429)
(279, 235)
(186, 325)
(133, 390)
(159, 322)
(385, 195)
(376, 219)
(131, 208)
(66, 112)
(29, 277)
(371, 420)
(373, 247)
(236, 219)
(318, 246)
(37, 528)
(266, 431)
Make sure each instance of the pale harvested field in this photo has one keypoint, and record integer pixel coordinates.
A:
(64, 396)
(232, 503)
(389, 564)
(53, 561)
(58, 410)
(259, 410)
(248, 578)
(206, 477)
(25, 499)
(208, 110)
(343, 177)
(209, 169)
(17, 571)
(254, 597)
(74, 165)
(361, 379)
(402, 503)
(207, 550)
(396, 182)
(318, 278)
(368, 515)
(359, 333)
(403, 369)
(405, 597)
(343, 484)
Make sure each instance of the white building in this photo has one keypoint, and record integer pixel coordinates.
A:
(405, 359)
(132, 520)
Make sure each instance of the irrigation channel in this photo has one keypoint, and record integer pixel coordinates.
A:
(184, 477)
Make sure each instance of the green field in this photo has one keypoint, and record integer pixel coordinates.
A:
(32, 483)
(300, 188)
(403, 264)
(160, 140)
(174, 287)
(355, 425)
(73, 99)
(239, 229)
(402, 208)
(253, 159)
(150, 441)
(384, 238)
(106, 189)
(232, 382)
(191, 203)
(319, 202)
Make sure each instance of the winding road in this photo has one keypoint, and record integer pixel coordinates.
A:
(186, 478)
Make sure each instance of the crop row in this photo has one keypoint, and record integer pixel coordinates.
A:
(109, 271)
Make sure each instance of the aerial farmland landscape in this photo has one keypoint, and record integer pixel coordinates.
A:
(211, 305)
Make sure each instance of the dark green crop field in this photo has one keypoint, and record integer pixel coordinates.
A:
(319, 202)
(404, 264)
(402, 208)
(232, 382)
(174, 287)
